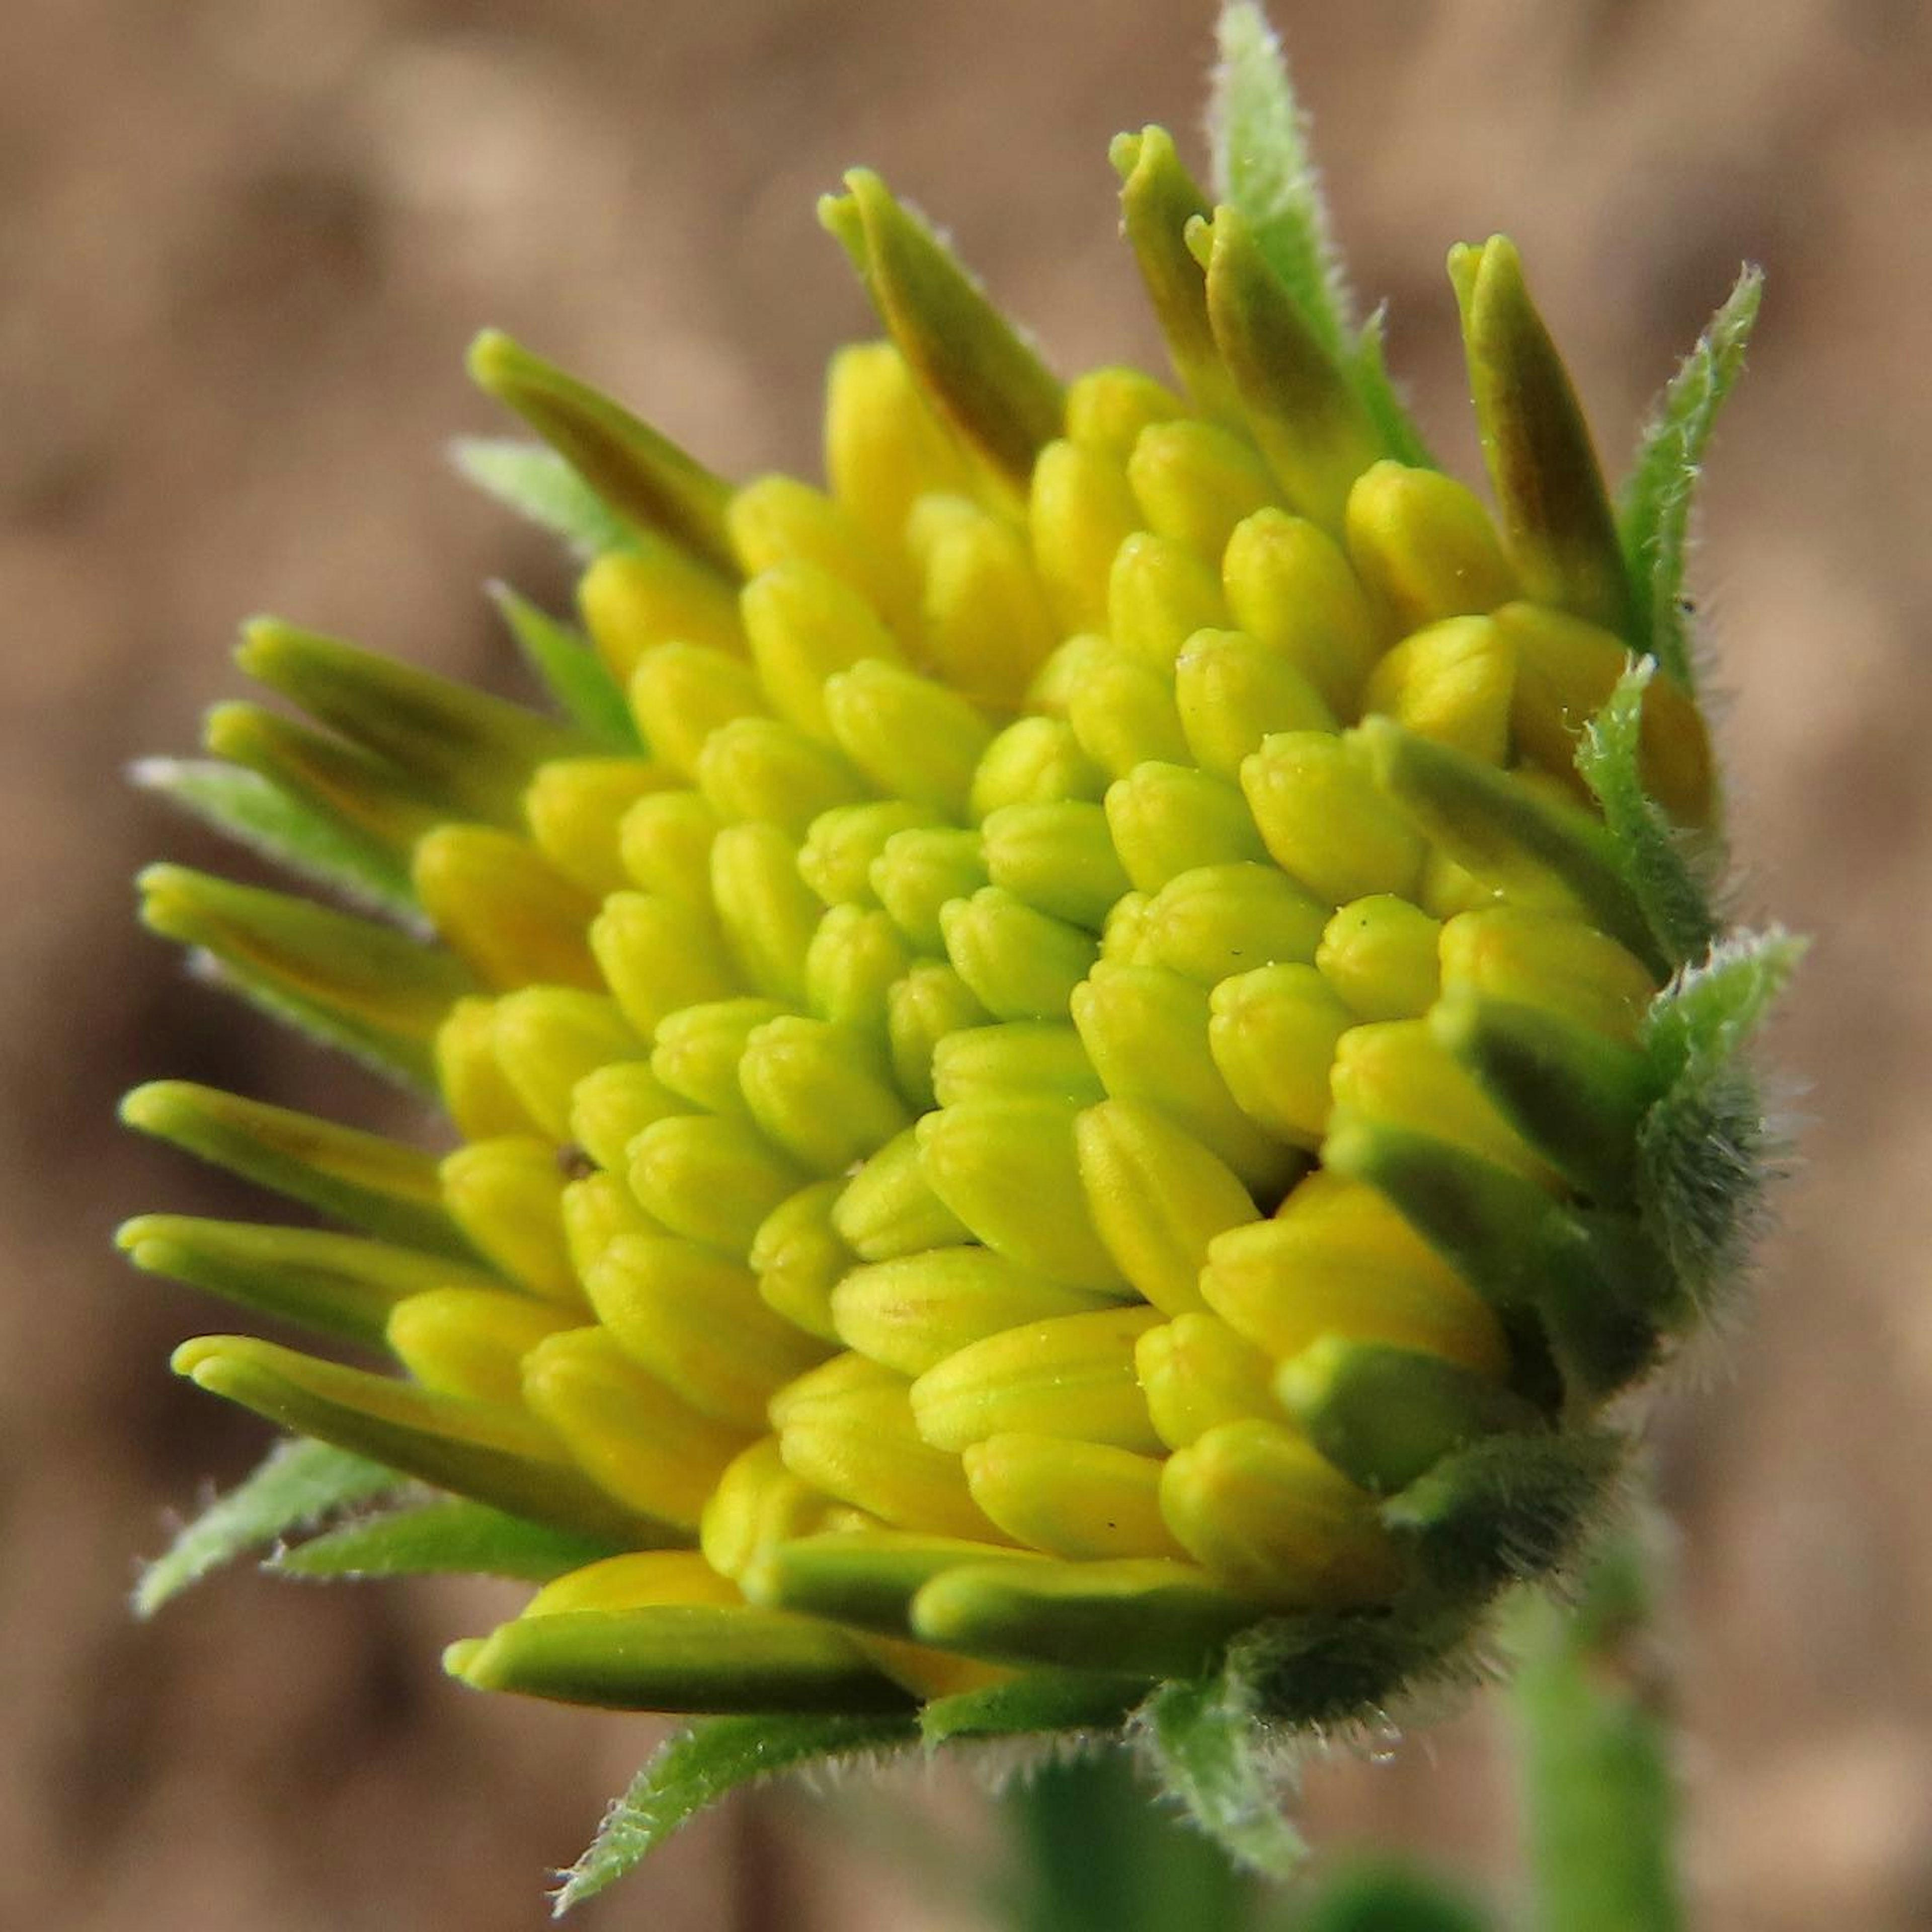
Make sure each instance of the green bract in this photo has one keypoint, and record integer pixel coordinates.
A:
(1082, 1061)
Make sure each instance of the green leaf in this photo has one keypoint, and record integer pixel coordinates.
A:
(298, 1484)
(701, 1765)
(1704, 1149)
(1708, 1012)
(1206, 1746)
(1261, 166)
(250, 809)
(570, 671)
(455, 1537)
(1596, 1756)
(1653, 517)
(1652, 852)
(535, 481)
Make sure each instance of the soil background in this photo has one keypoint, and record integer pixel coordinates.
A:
(242, 245)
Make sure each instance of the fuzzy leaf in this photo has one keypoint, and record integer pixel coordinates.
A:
(535, 481)
(298, 1484)
(702, 1764)
(1654, 516)
(1652, 853)
(570, 671)
(1703, 1148)
(1205, 1744)
(1261, 166)
(444, 1538)
(245, 806)
(1708, 1012)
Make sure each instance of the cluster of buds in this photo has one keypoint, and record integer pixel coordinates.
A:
(1074, 1055)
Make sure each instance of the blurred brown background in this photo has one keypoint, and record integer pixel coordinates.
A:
(242, 244)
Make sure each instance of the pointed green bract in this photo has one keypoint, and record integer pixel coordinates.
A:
(1159, 199)
(339, 1284)
(378, 1186)
(297, 1485)
(375, 992)
(571, 671)
(1555, 510)
(707, 1762)
(644, 477)
(1653, 856)
(1506, 835)
(434, 1539)
(487, 1451)
(1208, 1752)
(1368, 369)
(471, 753)
(992, 387)
(1654, 515)
(1709, 1013)
(1261, 166)
(257, 813)
(532, 479)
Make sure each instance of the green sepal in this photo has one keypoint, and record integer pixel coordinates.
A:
(340, 1285)
(1517, 1248)
(1310, 425)
(1575, 1095)
(444, 1538)
(1485, 1221)
(487, 1451)
(1258, 134)
(1705, 1018)
(1151, 1615)
(1384, 1416)
(707, 1762)
(533, 480)
(1506, 1508)
(1385, 1897)
(1654, 516)
(973, 364)
(1506, 835)
(572, 673)
(1159, 199)
(1037, 1702)
(715, 1658)
(378, 1186)
(373, 805)
(1704, 1149)
(646, 478)
(1655, 859)
(1208, 1751)
(255, 811)
(1555, 510)
(297, 1485)
(471, 753)
(865, 1578)
(375, 993)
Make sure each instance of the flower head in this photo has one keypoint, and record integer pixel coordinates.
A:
(1081, 1060)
